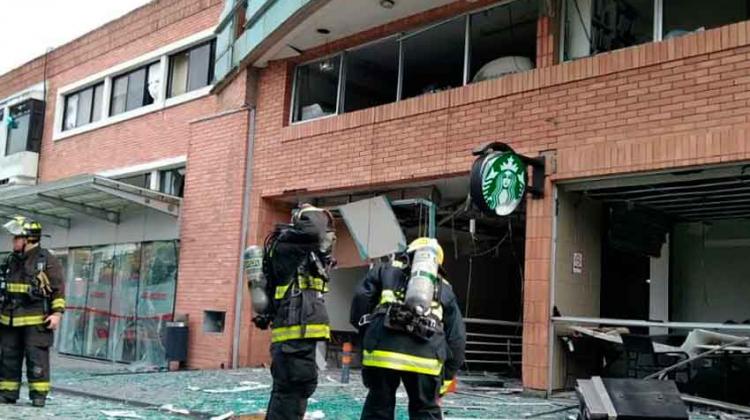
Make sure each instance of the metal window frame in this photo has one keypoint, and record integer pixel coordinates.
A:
(657, 26)
(400, 38)
(295, 81)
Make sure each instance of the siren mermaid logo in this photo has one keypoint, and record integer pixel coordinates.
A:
(503, 182)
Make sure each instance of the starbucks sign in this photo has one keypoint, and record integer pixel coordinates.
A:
(498, 182)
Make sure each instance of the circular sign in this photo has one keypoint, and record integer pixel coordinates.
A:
(498, 183)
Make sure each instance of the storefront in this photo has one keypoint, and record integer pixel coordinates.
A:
(658, 258)
(119, 245)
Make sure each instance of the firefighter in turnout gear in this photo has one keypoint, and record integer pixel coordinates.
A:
(296, 262)
(421, 344)
(31, 290)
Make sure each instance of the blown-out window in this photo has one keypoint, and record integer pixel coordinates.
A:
(473, 47)
(191, 69)
(136, 89)
(83, 107)
(595, 26)
(317, 88)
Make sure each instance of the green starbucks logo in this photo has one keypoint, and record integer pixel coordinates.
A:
(503, 178)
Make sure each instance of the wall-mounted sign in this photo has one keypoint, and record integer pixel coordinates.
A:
(498, 179)
(498, 182)
(577, 262)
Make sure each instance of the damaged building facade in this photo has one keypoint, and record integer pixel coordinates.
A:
(637, 107)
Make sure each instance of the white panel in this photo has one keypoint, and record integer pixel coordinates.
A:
(659, 289)
(339, 300)
(135, 226)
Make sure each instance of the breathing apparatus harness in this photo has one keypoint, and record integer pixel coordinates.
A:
(403, 317)
(40, 288)
(315, 265)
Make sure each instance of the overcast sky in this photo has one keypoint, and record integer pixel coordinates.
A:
(29, 27)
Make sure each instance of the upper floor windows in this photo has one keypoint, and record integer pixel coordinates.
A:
(83, 107)
(23, 125)
(168, 76)
(595, 26)
(135, 89)
(469, 48)
(191, 69)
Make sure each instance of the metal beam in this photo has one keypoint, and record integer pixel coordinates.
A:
(158, 205)
(659, 194)
(700, 204)
(668, 187)
(669, 200)
(44, 218)
(106, 215)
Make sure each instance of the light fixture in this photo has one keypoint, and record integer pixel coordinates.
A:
(325, 66)
(387, 4)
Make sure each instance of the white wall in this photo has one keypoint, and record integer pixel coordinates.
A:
(578, 44)
(659, 289)
(579, 229)
(711, 272)
(138, 225)
(339, 299)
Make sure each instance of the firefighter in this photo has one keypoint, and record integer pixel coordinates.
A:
(297, 261)
(421, 345)
(31, 309)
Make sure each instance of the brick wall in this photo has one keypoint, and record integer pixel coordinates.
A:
(675, 103)
(215, 146)
(210, 232)
(150, 137)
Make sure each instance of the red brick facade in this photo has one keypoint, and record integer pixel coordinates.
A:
(676, 103)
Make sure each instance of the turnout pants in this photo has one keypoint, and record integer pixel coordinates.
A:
(32, 343)
(295, 377)
(381, 399)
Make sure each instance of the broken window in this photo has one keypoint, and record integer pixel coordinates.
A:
(317, 89)
(595, 26)
(371, 75)
(685, 16)
(118, 300)
(24, 126)
(135, 89)
(434, 59)
(83, 107)
(172, 181)
(503, 40)
(191, 69)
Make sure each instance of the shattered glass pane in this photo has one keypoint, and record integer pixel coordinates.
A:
(374, 227)
(156, 302)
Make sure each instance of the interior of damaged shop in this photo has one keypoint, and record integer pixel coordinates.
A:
(483, 259)
(651, 270)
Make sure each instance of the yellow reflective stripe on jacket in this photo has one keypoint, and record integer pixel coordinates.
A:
(305, 283)
(313, 283)
(58, 303)
(9, 386)
(281, 291)
(294, 332)
(387, 296)
(18, 287)
(402, 362)
(39, 386)
(22, 321)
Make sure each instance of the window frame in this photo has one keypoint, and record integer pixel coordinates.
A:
(67, 96)
(146, 68)
(400, 38)
(108, 76)
(657, 26)
(170, 74)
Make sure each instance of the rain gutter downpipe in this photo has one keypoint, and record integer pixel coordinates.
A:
(243, 239)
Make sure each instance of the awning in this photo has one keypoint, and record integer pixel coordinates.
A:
(90, 195)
